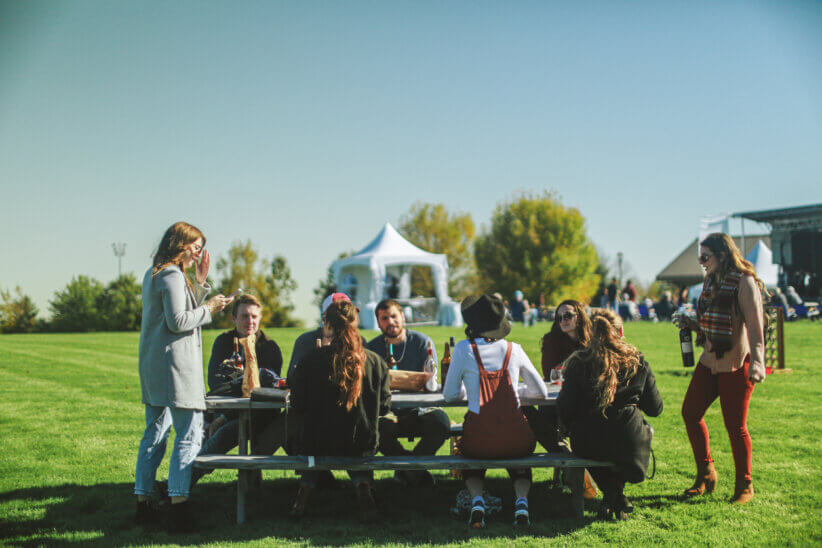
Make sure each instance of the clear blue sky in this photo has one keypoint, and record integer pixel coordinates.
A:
(305, 126)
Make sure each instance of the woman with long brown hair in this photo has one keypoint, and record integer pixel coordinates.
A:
(340, 390)
(171, 368)
(730, 327)
(607, 386)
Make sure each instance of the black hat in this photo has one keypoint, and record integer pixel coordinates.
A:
(485, 316)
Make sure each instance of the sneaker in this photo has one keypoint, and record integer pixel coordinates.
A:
(521, 516)
(477, 519)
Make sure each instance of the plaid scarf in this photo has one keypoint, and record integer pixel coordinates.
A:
(715, 312)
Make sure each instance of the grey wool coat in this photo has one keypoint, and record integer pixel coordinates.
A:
(171, 346)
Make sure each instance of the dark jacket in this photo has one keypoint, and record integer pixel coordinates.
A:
(621, 436)
(268, 353)
(556, 347)
(326, 428)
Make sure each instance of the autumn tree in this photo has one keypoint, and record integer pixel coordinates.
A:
(268, 280)
(539, 246)
(18, 313)
(432, 228)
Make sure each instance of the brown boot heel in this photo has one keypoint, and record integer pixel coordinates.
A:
(705, 482)
(301, 502)
(743, 493)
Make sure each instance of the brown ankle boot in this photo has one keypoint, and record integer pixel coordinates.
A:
(368, 507)
(301, 502)
(705, 483)
(743, 492)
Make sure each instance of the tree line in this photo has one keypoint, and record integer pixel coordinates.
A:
(533, 243)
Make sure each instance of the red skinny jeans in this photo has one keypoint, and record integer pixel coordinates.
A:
(734, 391)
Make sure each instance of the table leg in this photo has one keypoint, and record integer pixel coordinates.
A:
(577, 477)
(242, 475)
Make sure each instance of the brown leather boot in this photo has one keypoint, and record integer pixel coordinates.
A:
(368, 507)
(705, 483)
(743, 492)
(301, 502)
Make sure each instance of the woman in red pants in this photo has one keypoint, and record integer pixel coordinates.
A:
(730, 327)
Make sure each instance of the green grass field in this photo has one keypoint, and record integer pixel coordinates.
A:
(71, 420)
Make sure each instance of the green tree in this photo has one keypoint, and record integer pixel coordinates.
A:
(18, 313)
(119, 305)
(75, 307)
(537, 245)
(432, 228)
(270, 281)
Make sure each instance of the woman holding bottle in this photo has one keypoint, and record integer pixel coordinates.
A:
(730, 326)
(171, 368)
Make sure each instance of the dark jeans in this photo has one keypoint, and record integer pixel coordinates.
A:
(430, 424)
(543, 422)
(269, 430)
(312, 477)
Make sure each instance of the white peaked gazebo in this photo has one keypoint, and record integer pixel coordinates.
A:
(383, 269)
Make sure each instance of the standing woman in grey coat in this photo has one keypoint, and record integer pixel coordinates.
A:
(171, 368)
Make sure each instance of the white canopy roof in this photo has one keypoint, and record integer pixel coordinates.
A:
(389, 255)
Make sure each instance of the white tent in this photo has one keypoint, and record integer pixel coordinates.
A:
(761, 257)
(384, 267)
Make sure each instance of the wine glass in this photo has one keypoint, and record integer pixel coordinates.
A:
(556, 375)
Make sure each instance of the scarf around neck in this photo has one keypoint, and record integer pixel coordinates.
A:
(715, 312)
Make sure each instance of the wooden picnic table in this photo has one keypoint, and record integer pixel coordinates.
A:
(399, 400)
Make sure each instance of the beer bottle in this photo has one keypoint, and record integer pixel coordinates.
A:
(392, 363)
(237, 358)
(445, 363)
(687, 346)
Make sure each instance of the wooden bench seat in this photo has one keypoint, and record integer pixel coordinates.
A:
(246, 463)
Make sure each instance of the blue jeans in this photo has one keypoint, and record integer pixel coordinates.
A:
(188, 426)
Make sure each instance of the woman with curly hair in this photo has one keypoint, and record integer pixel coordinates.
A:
(570, 332)
(607, 386)
(340, 390)
(730, 327)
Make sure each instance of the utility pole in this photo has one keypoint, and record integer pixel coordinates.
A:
(119, 250)
(619, 263)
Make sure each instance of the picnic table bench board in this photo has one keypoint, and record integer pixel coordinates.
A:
(245, 463)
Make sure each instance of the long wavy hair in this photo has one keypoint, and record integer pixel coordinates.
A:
(173, 245)
(612, 358)
(730, 258)
(583, 329)
(348, 355)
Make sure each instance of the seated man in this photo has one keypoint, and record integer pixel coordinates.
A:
(307, 342)
(268, 428)
(430, 424)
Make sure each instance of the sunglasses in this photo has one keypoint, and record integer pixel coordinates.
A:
(567, 316)
(704, 258)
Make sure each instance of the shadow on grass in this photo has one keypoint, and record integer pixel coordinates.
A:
(102, 515)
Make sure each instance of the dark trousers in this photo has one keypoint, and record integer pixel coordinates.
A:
(543, 422)
(431, 425)
(270, 430)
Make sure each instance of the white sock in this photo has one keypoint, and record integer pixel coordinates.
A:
(478, 500)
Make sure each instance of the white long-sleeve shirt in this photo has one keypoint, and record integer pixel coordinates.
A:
(464, 371)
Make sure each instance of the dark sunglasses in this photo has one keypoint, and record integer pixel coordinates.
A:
(567, 316)
(704, 258)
